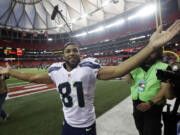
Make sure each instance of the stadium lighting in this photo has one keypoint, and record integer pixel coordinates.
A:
(101, 28)
(81, 34)
(148, 10)
(50, 39)
(132, 17)
(83, 49)
(140, 37)
(144, 12)
(105, 3)
(119, 22)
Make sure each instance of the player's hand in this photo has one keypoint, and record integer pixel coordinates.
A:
(159, 38)
(144, 107)
(5, 70)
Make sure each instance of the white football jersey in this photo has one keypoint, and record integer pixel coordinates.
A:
(76, 90)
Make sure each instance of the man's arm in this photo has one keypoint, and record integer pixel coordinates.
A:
(165, 92)
(35, 78)
(129, 79)
(157, 40)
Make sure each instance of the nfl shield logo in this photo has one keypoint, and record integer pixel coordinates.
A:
(69, 75)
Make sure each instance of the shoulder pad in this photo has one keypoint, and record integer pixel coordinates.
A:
(55, 67)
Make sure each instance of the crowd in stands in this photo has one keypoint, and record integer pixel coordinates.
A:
(106, 59)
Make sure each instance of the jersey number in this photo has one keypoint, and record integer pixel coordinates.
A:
(65, 90)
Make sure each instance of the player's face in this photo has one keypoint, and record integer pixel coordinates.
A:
(71, 56)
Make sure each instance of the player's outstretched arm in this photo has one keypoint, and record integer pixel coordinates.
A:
(157, 40)
(35, 78)
(128, 79)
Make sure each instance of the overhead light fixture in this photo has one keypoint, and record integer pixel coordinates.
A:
(140, 37)
(81, 34)
(50, 39)
(132, 17)
(101, 28)
(119, 22)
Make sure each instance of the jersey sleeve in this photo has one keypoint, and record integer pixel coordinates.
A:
(93, 64)
(52, 71)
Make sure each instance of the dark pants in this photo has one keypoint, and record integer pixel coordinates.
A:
(69, 130)
(149, 122)
(2, 100)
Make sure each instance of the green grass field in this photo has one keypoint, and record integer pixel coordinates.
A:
(41, 114)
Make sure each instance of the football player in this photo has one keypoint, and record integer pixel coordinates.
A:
(76, 80)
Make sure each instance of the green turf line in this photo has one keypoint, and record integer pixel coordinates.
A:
(27, 70)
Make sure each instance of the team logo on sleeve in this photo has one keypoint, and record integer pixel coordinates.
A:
(97, 61)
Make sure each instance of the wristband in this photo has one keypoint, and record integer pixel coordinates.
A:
(151, 102)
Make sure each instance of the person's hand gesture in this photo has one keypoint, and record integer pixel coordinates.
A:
(5, 70)
(144, 107)
(159, 38)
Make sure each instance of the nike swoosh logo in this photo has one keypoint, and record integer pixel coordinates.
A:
(88, 129)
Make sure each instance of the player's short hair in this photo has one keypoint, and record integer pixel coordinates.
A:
(69, 43)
